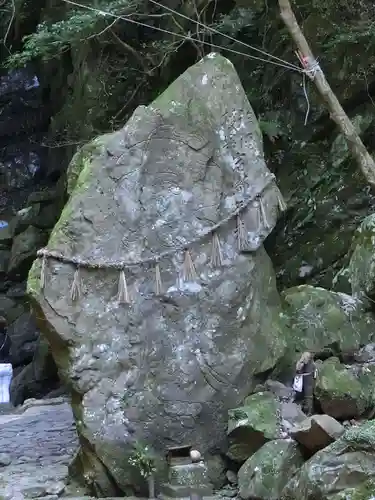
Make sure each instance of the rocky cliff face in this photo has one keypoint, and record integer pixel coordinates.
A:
(29, 208)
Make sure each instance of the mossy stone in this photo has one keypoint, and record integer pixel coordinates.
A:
(252, 425)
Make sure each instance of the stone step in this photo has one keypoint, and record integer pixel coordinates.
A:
(188, 474)
(173, 491)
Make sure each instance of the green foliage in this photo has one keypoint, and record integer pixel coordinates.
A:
(51, 39)
(363, 34)
(143, 459)
(235, 21)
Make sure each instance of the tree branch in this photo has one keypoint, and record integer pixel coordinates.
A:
(130, 49)
(337, 113)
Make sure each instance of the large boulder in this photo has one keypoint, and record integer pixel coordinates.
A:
(252, 425)
(264, 475)
(321, 319)
(317, 432)
(165, 363)
(346, 464)
(340, 392)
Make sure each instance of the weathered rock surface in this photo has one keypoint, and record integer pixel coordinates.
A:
(10, 309)
(320, 318)
(23, 335)
(38, 442)
(317, 432)
(365, 354)
(339, 392)
(365, 491)
(24, 248)
(216, 471)
(265, 474)
(348, 463)
(34, 371)
(252, 425)
(37, 378)
(164, 369)
(291, 415)
(280, 390)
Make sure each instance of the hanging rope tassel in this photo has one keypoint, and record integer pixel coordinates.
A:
(263, 214)
(189, 272)
(216, 255)
(241, 233)
(158, 283)
(43, 273)
(76, 289)
(280, 201)
(123, 292)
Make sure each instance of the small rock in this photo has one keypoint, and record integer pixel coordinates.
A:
(232, 477)
(24, 218)
(228, 492)
(56, 488)
(5, 459)
(317, 432)
(34, 491)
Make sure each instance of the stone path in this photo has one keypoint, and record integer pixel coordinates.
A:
(38, 442)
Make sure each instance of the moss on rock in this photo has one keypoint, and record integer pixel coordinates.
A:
(345, 466)
(253, 424)
(264, 475)
(339, 392)
(319, 318)
(364, 491)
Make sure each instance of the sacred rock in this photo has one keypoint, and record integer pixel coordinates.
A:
(154, 290)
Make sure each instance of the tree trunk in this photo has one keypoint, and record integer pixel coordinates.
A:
(337, 113)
